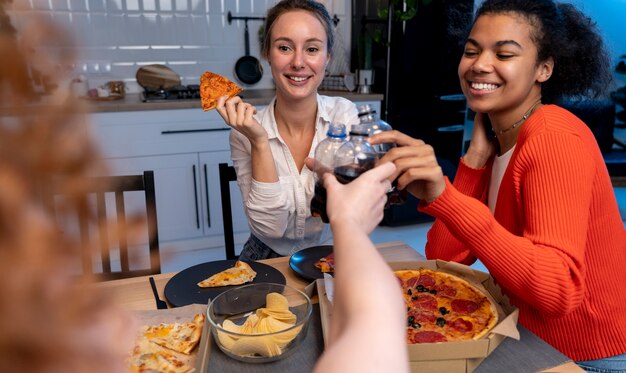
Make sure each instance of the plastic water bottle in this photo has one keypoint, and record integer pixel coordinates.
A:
(355, 156)
(369, 118)
(324, 162)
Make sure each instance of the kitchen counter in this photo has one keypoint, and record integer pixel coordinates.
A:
(132, 102)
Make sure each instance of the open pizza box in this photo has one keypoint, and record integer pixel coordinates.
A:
(449, 357)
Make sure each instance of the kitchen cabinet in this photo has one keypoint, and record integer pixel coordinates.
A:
(183, 148)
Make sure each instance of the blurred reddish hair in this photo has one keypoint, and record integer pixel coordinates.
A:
(47, 322)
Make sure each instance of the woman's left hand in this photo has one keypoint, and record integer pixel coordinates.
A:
(417, 169)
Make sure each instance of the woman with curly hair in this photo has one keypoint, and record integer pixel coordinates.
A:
(535, 204)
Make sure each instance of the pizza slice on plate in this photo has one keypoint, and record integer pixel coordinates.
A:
(214, 86)
(237, 275)
(326, 264)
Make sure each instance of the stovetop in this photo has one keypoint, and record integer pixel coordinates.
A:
(188, 92)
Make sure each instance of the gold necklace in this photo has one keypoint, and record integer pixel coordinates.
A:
(528, 113)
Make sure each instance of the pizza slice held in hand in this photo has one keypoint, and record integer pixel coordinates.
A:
(241, 273)
(214, 86)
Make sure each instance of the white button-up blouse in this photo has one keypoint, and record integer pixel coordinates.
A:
(279, 213)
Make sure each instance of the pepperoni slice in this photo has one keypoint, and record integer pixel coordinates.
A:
(425, 302)
(423, 317)
(464, 306)
(461, 325)
(411, 282)
(426, 281)
(445, 291)
(428, 337)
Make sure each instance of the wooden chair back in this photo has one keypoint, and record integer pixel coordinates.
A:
(227, 174)
(115, 260)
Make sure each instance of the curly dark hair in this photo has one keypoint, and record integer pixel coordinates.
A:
(572, 39)
(284, 6)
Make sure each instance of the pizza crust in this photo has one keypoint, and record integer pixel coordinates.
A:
(492, 307)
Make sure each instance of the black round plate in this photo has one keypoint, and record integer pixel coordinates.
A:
(183, 289)
(303, 262)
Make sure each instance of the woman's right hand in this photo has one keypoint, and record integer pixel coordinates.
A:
(481, 147)
(239, 115)
(417, 169)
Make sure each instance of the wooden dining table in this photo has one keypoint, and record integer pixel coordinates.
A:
(136, 294)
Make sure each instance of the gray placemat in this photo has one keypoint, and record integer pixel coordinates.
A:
(529, 354)
(301, 360)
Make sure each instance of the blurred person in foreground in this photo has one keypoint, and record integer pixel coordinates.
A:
(367, 334)
(535, 204)
(47, 323)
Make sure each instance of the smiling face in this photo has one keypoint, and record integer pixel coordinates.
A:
(298, 54)
(499, 71)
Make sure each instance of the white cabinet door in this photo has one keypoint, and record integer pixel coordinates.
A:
(177, 184)
(211, 196)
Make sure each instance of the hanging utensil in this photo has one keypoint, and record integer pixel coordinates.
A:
(248, 68)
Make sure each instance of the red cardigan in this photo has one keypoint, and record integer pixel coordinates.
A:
(556, 243)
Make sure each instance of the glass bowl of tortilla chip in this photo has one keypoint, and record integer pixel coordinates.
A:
(261, 322)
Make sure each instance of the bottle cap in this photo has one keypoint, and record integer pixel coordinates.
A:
(336, 130)
(359, 130)
(365, 110)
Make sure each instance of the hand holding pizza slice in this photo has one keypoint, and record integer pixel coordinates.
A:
(214, 86)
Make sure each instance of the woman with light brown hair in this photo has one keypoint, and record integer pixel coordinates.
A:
(269, 147)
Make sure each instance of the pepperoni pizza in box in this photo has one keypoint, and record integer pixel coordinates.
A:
(456, 316)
